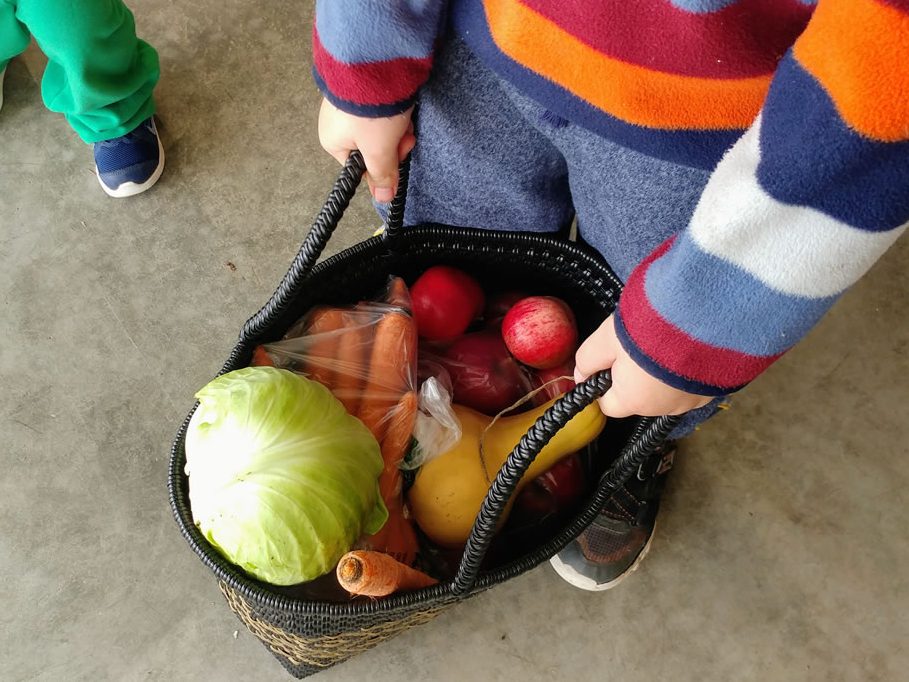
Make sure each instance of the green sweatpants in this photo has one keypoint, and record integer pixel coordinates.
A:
(99, 74)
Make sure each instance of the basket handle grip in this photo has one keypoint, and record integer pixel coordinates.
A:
(394, 220)
(651, 434)
(320, 233)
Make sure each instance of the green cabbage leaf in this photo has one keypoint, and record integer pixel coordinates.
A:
(282, 480)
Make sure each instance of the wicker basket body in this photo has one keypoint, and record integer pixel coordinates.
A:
(308, 636)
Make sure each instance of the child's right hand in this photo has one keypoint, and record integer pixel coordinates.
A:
(383, 142)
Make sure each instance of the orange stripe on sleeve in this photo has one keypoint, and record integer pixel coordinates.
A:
(630, 92)
(858, 50)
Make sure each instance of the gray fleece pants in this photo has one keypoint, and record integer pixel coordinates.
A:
(489, 157)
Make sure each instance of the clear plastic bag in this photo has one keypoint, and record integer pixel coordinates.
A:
(437, 428)
(366, 355)
(482, 373)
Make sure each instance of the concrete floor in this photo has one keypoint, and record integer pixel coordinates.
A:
(781, 554)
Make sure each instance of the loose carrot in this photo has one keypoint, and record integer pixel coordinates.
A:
(390, 370)
(323, 324)
(373, 574)
(398, 295)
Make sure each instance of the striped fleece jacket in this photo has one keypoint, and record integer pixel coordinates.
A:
(799, 110)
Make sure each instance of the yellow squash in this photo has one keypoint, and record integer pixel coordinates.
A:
(448, 491)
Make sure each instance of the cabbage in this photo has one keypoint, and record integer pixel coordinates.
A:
(282, 480)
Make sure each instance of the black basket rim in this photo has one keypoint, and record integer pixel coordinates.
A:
(443, 592)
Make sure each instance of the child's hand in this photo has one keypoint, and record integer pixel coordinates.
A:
(383, 142)
(633, 391)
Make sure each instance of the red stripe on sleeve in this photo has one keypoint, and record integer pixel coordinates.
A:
(373, 83)
(740, 40)
(677, 351)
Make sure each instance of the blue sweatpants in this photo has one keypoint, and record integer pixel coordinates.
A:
(487, 156)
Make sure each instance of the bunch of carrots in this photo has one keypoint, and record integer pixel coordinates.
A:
(367, 356)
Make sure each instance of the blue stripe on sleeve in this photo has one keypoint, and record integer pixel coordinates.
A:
(362, 31)
(809, 157)
(720, 304)
(701, 6)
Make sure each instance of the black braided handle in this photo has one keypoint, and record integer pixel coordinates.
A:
(394, 221)
(312, 247)
(652, 432)
(317, 239)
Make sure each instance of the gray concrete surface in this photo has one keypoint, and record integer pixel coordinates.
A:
(781, 554)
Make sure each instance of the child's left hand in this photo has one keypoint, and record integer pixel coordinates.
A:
(633, 391)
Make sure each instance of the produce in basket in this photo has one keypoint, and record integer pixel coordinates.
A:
(366, 355)
(388, 408)
(550, 493)
(374, 574)
(555, 381)
(390, 372)
(540, 331)
(399, 295)
(483, 374)
(397, 537)
(541, 508)
(282, 480)
(498, 306)
(449, 490)
(445, 302)
(261, 358)
(324, 326)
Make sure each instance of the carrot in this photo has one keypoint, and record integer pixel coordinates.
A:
(323, 324)
(397, 538)
(374, 574)
(390, 370)
(353, 354)
(398, 295)
(394, 445)
(261, 358)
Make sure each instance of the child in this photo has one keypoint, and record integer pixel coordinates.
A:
(739, 163)
(100, 76)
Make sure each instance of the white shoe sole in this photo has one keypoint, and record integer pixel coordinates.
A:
(131, 189)
(574, 578)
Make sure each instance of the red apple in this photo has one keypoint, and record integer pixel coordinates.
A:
(565, 481)
(498, 306)
(445, 301)
(558, 386)
(551, 493)
(484, 376)
(540, 331)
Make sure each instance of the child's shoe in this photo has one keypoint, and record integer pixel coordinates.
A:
(613, 546)
(132, 163)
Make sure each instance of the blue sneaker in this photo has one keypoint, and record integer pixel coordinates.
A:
(132, 163)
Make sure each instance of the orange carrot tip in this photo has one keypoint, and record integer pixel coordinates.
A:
(398, 295)
(374, 574)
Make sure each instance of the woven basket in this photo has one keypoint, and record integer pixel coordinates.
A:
(309, 636)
